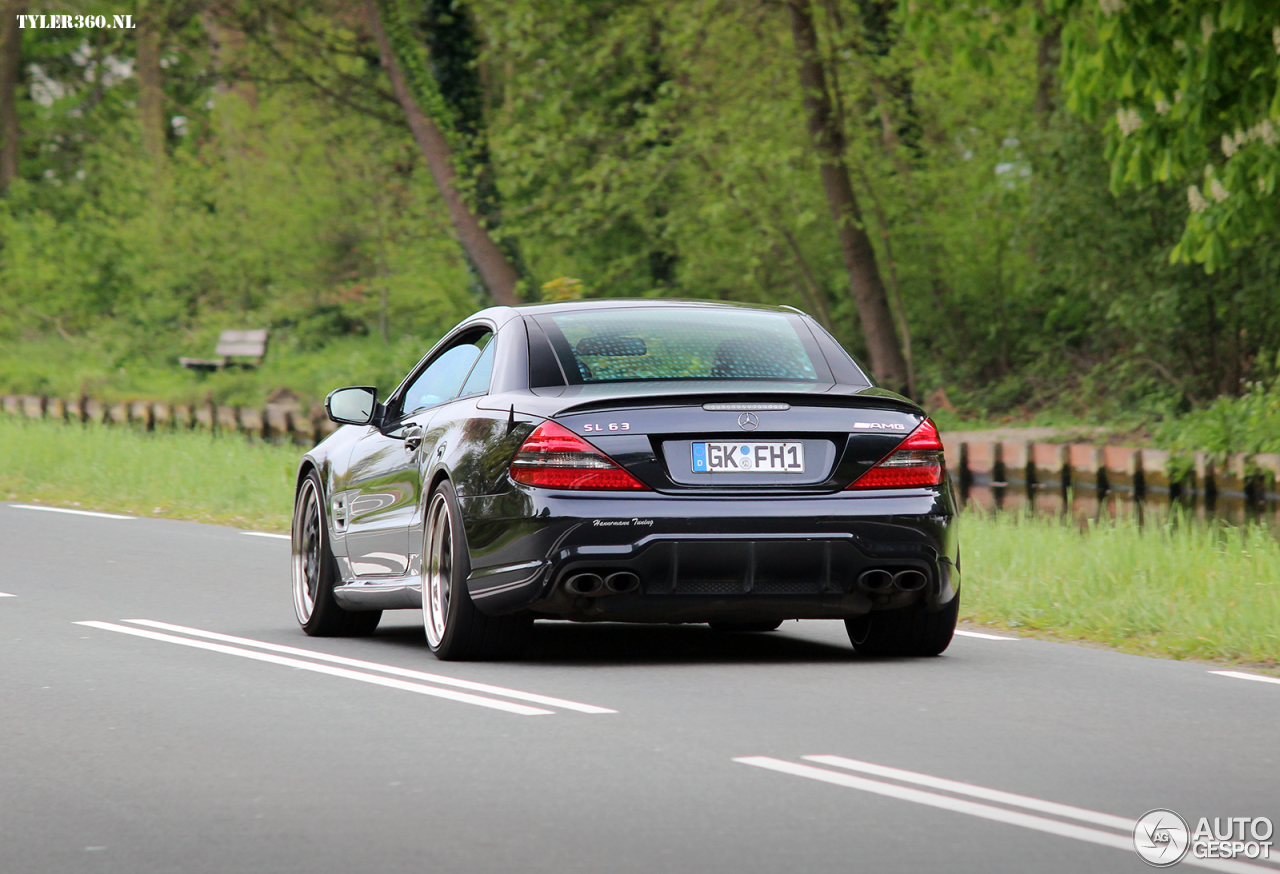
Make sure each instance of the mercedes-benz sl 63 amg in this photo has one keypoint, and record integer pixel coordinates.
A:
(629, 461)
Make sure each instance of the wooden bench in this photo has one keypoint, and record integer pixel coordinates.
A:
(246, 347)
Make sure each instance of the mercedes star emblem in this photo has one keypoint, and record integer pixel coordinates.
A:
(748, 422)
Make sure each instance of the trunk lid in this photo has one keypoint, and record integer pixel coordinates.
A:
(839, 432)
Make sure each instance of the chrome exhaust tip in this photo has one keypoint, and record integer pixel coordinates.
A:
(584, 584)
(622, 582)
(876, 580)
(910, 581)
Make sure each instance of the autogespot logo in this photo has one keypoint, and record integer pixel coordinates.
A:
(1161, 838)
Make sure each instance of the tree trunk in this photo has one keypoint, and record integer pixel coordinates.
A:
(887, 362)
(150, 87)
(1048, 51)
(10, 72)
(496, 272)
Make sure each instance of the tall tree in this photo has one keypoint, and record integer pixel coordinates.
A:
(430, 121)
(859, 256)
(1048, 56)
(10, 72)
(150, 85)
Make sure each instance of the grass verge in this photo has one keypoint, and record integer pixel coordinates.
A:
(178, 475)
(1179, 590)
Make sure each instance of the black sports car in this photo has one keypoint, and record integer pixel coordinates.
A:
(635, 461)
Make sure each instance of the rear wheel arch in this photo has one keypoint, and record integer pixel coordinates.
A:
(439, 476)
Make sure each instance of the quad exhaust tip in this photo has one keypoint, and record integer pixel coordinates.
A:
(591, 585)
(881, 580)
(585, 584)
(876, 580)
(910, 581)
(622, 582)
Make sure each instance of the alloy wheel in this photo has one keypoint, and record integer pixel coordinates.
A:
(438, 571)
(306, 552)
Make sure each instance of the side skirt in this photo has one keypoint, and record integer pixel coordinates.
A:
(386, 593)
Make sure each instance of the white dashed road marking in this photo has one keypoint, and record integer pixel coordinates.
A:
(1240, 675)
(441, 679)
(313, 657)
(1051, 807)
(267, 534)
(7, 595)
(1118, 841)
(389, 682)
(72, 512)
(979, 634)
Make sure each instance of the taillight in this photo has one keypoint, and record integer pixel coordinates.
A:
(916, 462)
(555, 458)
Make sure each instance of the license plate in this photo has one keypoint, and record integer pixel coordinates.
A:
(770, 457)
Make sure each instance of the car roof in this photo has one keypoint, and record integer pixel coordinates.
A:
(569, 306)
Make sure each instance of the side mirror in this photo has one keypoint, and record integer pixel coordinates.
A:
(352, 406)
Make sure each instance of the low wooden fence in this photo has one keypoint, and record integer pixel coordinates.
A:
(274, 422)
(1008, 464)
(1016, 464)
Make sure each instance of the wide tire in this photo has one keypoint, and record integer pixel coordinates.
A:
(765, 625)
(456, 630)
(315, 572)
(909, 631)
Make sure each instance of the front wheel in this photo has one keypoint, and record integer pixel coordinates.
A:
(315, 572)
(908, 631)
(456, 630)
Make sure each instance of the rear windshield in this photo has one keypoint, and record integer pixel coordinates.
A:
(658, 343)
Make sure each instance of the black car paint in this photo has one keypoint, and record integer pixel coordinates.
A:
(524, 541)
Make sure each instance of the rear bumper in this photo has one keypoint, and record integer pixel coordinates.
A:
(710, 558)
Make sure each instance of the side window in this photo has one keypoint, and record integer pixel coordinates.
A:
(442, 380)
(478, 381)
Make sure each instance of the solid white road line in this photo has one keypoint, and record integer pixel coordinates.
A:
(7, 595)
(1051, 807)
(1239, 675)
(72, 512)
(979, 634)
(374, 666)
(983, 811)
(465, 698)
(267, 534)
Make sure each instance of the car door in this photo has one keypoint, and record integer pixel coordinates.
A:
(386, 476)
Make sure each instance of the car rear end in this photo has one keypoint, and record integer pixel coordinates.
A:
(731, 479)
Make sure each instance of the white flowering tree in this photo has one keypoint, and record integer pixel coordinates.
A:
(1195, 89)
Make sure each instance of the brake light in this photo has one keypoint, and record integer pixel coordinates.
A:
(916, 462)
(554, 457)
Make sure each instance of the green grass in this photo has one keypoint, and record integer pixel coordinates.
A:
(60, 368)
(1177, 590)
(1199, 591)
(179, 475)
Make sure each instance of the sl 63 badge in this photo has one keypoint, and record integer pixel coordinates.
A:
(612, 426)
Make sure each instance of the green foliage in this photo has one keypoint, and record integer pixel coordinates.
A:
(1249, 423)
(282, 214)
(1195, 91)
(647, 149)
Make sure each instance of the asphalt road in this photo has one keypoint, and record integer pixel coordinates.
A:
(167, 746)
